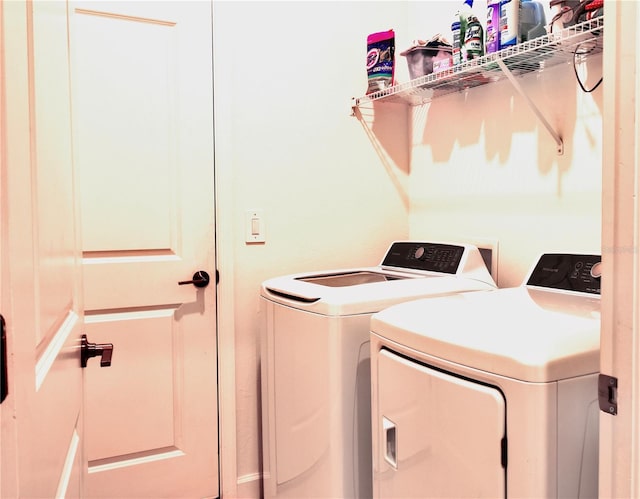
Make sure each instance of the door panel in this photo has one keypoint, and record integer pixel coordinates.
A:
(143, 113)
(135, 111)
(149, 397)
(41, 285)
(441, 436)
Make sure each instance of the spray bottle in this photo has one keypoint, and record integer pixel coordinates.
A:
(473, 37)
(459, 30)
(456, 46)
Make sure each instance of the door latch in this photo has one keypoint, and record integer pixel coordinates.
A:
(88, 350)
(608, 394)
(200, 280)
(4, 382)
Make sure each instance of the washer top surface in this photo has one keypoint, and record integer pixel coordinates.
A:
(409, 270)
(545, 330)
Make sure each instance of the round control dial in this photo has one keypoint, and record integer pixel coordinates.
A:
(419, 252)
(596, 270)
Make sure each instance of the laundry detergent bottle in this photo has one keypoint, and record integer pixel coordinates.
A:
(492, 33)
(532, 20)
(509, 22)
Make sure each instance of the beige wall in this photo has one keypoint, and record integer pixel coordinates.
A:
(494, 172)
(484, 167)
(286, 144)
(335, 189)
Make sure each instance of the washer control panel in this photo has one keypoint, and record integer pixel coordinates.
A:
(568, 272)
(430, 257)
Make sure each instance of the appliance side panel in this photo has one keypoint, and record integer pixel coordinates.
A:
(578, 425)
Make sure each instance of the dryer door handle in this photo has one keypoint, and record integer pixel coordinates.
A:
(390, 442)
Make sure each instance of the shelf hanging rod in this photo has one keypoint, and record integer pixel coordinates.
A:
(534, 108)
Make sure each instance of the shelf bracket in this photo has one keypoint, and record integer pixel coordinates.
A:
(534, 108)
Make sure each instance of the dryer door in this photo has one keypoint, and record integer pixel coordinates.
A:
(439, 435)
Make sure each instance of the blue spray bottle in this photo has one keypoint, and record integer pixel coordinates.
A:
(456, 46)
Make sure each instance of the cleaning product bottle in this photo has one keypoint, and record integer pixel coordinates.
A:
(532, 21)
(456, 46)
(492, 33)
(458, 29)
(509, 21)
(473, 38)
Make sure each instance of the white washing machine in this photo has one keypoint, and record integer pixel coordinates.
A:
(315, 362)
(490, 395)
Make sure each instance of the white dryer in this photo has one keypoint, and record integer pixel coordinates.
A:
(490, 395)
(315, 362)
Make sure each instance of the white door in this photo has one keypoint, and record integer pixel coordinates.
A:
(440, 436)
(143, 138)
(41, 429)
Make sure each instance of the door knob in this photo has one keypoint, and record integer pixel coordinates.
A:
(88, 350)
(200, 279)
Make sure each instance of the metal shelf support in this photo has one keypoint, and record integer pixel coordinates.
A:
(516, 84)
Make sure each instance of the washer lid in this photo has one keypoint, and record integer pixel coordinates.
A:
(409, 270)
(364, 298)
(521, 333)
(353, 278)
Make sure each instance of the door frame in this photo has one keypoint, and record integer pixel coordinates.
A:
(619, 474)
(225, 264)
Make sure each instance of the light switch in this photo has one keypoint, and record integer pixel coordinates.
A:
(254, 226)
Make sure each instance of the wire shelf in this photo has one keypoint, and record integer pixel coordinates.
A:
(575, 42)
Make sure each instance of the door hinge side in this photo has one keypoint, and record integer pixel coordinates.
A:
(608, 394)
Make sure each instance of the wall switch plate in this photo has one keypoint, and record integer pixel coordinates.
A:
(254, 226)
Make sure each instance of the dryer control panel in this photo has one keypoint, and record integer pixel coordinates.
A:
(568, 272)
(430, 257)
